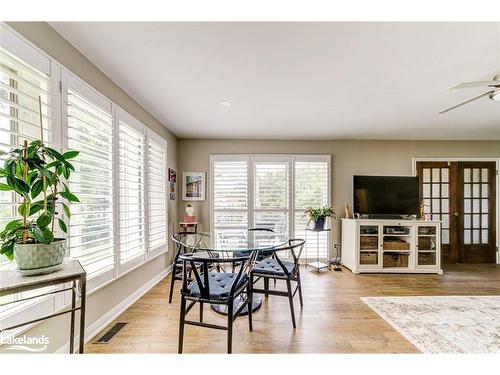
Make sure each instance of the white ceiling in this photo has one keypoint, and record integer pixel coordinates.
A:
(301, 80)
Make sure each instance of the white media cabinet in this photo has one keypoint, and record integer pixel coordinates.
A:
(391, 246)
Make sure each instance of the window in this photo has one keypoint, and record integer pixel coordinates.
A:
(25, 76)
(157, 187)
(131, 177)
(311, 190)
(230, 200)
(271, 192)
(90, 130)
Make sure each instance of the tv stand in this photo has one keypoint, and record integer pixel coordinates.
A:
(391, 246)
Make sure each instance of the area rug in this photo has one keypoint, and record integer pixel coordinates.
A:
(444, 324)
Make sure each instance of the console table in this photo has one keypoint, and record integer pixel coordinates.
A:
(12, 282)
(391, 246)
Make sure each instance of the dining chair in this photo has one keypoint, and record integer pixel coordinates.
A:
(176, 273)
(280, 269)
(221, 288)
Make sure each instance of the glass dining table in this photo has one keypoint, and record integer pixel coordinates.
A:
(233, 243)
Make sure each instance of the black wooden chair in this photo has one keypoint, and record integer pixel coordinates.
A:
(280, 269)
(220, 288)
(177, 263)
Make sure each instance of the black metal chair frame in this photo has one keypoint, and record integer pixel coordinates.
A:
(200, 268)
(177, 264)
(294, 275)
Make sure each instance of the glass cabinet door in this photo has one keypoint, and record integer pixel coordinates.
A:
(396, 246)
(427, 246)
(368, 245)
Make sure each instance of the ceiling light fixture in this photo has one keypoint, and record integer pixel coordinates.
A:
(495, 96)
(224, 104)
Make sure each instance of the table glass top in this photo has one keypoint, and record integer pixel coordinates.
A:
(232, 240)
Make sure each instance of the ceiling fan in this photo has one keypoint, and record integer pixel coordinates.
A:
(493, 93)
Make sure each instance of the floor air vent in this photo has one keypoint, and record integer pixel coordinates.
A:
(113, 331)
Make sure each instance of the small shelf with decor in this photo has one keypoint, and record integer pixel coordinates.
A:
(391, 245)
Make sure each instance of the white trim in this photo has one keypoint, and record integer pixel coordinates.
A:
(458, 159)
(25, 51)
(101, 323)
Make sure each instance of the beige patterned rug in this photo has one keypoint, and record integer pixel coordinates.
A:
(444, 324)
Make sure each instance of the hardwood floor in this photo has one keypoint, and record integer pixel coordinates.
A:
(333, 320)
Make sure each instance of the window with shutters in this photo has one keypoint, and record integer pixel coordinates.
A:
(260, 191)
(24, 78)
(90, 130)
(271, 194)
(157, 190)
(230, 200)
(311, 190)
(132, 186)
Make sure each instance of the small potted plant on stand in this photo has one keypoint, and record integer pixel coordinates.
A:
(319, 215)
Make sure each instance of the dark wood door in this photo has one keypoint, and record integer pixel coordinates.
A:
(477, 212)
(462, 195)
(438, 192)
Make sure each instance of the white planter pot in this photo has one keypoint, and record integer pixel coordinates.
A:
(39, 255)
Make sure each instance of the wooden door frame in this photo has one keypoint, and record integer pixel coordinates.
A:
(464, 159)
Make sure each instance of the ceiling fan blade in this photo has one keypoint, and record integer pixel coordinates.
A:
(466, 85)
(466, 102)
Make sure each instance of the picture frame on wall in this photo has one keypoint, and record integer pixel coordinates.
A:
(193, 186)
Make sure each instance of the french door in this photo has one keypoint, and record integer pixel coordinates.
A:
(463, 196)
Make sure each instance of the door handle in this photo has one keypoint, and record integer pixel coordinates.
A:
(455, 214)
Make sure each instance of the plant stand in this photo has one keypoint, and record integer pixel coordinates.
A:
(11, 282)
(317, 264)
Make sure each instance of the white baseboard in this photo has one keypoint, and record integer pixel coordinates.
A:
(96, 327)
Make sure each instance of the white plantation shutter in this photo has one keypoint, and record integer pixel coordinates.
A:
(157, 192)
(131, 177)
(90, 130)
(20, 86)
(311, 190)
(271, 194)
(230, 200)
(25, 75)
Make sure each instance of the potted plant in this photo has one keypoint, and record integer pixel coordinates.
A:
(38, 174)
(319, 215)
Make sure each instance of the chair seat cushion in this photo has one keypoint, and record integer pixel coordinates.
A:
(219, 284)
(272, 267)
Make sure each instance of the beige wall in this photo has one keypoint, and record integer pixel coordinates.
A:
(348, 158)
(47, 39)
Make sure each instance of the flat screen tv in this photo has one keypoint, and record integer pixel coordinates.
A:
(386, 195)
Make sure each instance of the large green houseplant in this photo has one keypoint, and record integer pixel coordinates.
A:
(38, 174)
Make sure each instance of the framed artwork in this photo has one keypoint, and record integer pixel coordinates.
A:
(172, 178)
(193, 186)
(172, 175)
